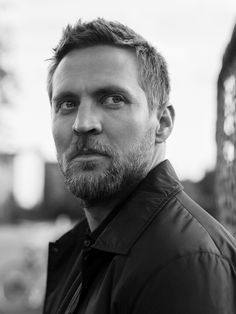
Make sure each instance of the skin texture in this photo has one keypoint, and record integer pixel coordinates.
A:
(106, 138)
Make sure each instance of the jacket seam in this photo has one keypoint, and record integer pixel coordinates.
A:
(156, 213)
(175, 259)
(183, 206)
(200, 252)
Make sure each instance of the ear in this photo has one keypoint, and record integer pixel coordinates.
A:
(166, 118)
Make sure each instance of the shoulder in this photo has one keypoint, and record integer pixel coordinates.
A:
(214, 234)
(187, 228)
(182, 233)
(183, 262)
(196, 283)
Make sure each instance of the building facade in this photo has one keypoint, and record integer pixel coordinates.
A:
(226, 138)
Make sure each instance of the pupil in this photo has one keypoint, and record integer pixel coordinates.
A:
(116, 98)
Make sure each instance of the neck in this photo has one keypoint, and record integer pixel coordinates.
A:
(96, 213)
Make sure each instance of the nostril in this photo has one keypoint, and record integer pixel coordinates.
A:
(88, 118)
(91, 127)
(85, 130)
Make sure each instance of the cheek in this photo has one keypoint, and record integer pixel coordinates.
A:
(128, 132)
(62, 134)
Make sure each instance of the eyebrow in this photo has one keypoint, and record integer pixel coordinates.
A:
(109, 89)
(63, 95)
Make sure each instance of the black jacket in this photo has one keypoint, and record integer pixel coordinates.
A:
(162, 254)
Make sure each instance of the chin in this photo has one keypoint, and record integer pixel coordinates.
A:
(90, 187)
(90, 166)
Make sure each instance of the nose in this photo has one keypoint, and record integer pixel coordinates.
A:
(87, 119)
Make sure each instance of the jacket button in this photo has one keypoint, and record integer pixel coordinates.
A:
(87, 242)
(55, 250)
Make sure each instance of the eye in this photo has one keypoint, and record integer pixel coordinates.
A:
(67, 105)
(113, 100)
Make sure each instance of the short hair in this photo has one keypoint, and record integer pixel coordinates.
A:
(153, 72)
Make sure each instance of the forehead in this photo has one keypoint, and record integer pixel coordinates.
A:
(97, 65)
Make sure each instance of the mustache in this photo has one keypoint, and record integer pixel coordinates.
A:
(87, 144)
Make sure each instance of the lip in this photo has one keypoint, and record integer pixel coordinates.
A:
(89, 157)
(88, 154)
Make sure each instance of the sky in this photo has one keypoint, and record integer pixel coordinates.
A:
(191, 35)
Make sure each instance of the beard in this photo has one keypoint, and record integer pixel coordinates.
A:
(123, 172)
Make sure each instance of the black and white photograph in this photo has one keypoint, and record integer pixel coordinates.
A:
(117, 157)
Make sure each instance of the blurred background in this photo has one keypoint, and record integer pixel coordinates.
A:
(198, 40)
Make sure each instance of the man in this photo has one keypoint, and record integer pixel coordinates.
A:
(145, 246)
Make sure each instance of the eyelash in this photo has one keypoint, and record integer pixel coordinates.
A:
(122, 99)
(102, 100)
(66, 101)
(60, 103)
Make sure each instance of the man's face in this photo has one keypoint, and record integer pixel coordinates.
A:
(102, 127)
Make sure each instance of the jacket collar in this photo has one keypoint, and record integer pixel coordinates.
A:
(136, 213)
(142, 206)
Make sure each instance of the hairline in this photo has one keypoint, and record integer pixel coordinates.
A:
(53, 68)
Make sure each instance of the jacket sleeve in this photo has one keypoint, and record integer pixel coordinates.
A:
(198, 283)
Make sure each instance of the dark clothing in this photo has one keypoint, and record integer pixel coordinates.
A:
(161, 253)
